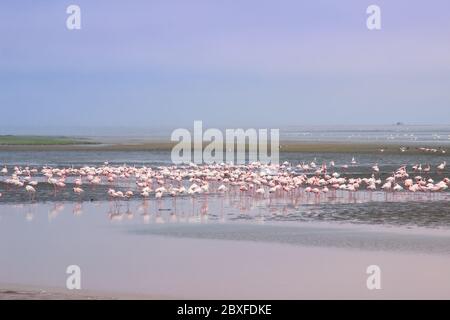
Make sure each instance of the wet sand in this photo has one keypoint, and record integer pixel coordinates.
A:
(261, 271)
(24, 292)
(145, 259)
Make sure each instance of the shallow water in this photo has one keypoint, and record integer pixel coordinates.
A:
(401, 209)
(140, 158)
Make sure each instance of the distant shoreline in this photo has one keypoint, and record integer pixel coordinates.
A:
(285, 146)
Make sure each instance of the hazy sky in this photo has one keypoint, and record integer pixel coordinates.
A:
(231, 63)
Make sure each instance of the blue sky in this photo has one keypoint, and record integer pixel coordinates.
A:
(229, 63)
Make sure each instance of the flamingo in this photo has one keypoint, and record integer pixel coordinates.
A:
(243, 188)
(408, 183)
(375, 168)
(387, 186)
(129, 194)
(260, 191)
(78, 190)
(118, 194)
(78, 182)
(276, 180)
(31, 191)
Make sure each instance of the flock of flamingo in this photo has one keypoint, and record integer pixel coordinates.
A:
(263, 180)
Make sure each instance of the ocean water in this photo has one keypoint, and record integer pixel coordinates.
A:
(411, 134)
(393, 133)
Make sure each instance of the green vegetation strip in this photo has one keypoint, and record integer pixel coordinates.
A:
(40, 140)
